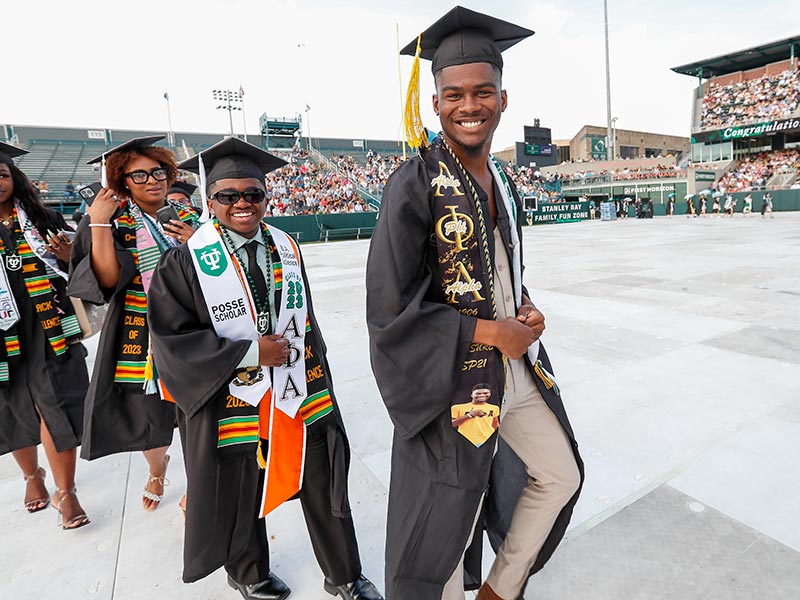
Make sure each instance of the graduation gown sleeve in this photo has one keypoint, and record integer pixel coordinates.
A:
(192, 361)
(83, 282)
(417, 342)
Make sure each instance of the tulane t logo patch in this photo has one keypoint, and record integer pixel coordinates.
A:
(212, 259)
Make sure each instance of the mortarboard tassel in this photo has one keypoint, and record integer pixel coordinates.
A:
(416, 136)
(202, 172)
(103, 172)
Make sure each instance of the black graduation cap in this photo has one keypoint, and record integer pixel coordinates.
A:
(134, 144)
(9, 152)
(182, 187)
(230, 158)
(463, 36)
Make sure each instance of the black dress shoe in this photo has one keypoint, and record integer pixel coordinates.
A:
(360, 589)
(271, 588)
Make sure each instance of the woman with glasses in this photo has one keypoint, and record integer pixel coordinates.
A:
(117, 246)
(43, 377)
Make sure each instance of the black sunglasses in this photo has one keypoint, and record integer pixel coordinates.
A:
(253, 196)
(159, 174)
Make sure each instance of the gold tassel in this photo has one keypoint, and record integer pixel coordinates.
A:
(262, 462)
(416, 136)
(150, 386)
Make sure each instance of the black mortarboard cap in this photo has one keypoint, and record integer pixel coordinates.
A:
(182, 187)
(232, 158)
(134, 144)
(463, 36)
(9, 152)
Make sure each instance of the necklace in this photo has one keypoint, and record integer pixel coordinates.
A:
(482, 225)
(262, 305)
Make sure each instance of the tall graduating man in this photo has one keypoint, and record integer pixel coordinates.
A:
(242, 355)
(446, 310)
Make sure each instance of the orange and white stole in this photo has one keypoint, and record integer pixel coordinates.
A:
(279, 391)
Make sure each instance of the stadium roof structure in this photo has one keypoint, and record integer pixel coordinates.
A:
(750, 58)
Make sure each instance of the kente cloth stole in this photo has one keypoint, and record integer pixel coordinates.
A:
(466, 280)
(284, 399)
(46, 289)
(134, 361)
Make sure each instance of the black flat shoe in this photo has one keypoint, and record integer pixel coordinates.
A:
(360, 589)
(271, 588)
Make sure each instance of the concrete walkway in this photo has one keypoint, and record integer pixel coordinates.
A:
(676, 343)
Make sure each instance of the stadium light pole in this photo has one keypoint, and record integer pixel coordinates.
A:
(228, 98)
(609, 145)
(308, 124)
(171, 137)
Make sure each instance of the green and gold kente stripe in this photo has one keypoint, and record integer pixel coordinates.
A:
(37, 286)
(316, 406)
(12, 345)
(237, 430)
(130, 371)
(136, 301)
(58, 344)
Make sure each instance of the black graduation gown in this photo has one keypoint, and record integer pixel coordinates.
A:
(417, 347)
(55, 385)
(224, 486)
(119, 417)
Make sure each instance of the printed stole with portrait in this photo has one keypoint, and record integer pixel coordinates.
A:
(464, 267)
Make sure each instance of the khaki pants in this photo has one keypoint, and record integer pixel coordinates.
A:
(534, 433)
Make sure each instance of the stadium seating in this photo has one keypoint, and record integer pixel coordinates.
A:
(777, 169)
(754, 100)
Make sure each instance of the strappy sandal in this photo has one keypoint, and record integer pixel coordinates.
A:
(36, 504)
(148, 495)
(75, 521)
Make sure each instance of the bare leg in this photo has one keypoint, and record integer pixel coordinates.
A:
(63, 466)
(36, 496)
(157, 460)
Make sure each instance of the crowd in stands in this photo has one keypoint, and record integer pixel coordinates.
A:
(753, 172)
(373, 174)
(763, 98)
(302, 188)
(657, 172)
(530, 182)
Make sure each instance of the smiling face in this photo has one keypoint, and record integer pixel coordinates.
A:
(6, 184)
(151, 193)
(241, 216)
(469, 103)
(481, 395)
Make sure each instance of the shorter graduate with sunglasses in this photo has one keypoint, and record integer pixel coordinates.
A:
(239, 349)
(116, 249)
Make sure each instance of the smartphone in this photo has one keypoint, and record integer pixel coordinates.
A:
(166, 214)
(89, 192)
(70, 235)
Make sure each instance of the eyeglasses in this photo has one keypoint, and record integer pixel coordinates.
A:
(159, 174)
(253, 196)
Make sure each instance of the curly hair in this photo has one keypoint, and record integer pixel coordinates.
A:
(117, 165)
(28, 196)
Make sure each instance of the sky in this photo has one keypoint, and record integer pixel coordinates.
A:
(102, 64)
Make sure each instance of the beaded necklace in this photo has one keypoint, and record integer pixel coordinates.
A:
(263, 320)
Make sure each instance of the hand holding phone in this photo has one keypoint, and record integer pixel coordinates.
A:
(167, 213)
(172, 224)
